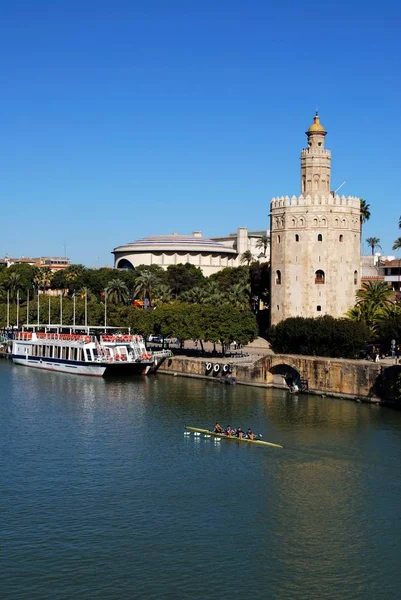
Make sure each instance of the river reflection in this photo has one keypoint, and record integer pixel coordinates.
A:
(104, 497)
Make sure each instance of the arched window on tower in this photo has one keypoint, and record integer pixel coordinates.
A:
(278, 277)
(296, 237)
(319, 277)
(320, 238)
(341, 238)
(355, 277)
(278, 239)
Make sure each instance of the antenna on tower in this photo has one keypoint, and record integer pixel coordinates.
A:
(340, 186)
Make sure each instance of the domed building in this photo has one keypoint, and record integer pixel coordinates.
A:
(209, 254)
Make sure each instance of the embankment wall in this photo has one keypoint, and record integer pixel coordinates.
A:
(334, 377)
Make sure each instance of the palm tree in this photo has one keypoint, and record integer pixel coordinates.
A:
(146, 284)
(376, 292)
(198, 295)
(246, 257)
(43, 278)
(164, 293)
(397, 246)
(373, 242)
(14, 284)
(117, 292)
(263, 242)
(239, 296)
(365, 213)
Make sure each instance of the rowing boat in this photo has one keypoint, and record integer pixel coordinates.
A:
(223, 436)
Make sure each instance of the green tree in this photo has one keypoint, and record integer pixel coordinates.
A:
(182, 278)
(397, 244)
(230, 276)
(373, 243)
(377, 292)
(117, 292)
(164, 294)
(14, 284)
(324, 336)
(263, 242)
(246, 257)
(364, 214)
(146, 285)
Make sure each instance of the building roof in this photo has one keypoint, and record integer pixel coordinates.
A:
(190, 243)
(316, 125)
(391, 263)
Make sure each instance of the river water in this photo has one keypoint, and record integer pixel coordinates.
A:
(103, 497)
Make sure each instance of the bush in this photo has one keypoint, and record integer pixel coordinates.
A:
(324, 336)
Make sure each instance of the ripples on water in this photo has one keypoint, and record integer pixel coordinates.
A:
(104, 497)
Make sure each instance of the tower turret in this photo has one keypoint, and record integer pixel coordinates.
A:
(315, 242)
(315, 161)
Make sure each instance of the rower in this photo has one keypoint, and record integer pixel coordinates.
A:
(249, 434)
(240, 433)
(228, 430)
(218, 428)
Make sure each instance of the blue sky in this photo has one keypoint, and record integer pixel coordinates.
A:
(123, 119)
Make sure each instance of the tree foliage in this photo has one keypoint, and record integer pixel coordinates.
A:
(324, 336)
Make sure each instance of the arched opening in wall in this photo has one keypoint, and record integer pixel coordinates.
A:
(293, 223)
(320, 277)
(319, 308)
(355, 277)
(341, 238)
(278, 277)
(320, 238)
(296, 237)
(315, 222)
(278, 239)
(286, 375)
(124, 264)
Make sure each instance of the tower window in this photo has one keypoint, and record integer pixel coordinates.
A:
(320, 238)
(278, 239)
(341, 237)
(318, 308)
(355, 277)
(319, 277)
(296, 237)
(278, 277)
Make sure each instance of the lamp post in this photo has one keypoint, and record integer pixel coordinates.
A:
(105, 310)
(38, 307)
(17, 308)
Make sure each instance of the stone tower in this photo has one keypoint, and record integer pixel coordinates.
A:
(315, 242)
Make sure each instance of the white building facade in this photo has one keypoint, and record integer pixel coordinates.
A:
(209, 254)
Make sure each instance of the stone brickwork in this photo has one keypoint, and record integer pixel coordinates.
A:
(315, 242)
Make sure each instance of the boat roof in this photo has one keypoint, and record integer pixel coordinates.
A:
(85, 328)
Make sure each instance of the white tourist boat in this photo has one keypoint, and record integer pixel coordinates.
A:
(82, 351)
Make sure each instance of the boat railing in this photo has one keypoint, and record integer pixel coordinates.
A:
(65, 337)
(121, 338)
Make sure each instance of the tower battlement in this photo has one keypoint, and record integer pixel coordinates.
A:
(315, 241)
(315, 152)
(281, 202)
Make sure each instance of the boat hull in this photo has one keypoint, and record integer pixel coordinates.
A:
(242, 440)
(51, 364)
(99, 369)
